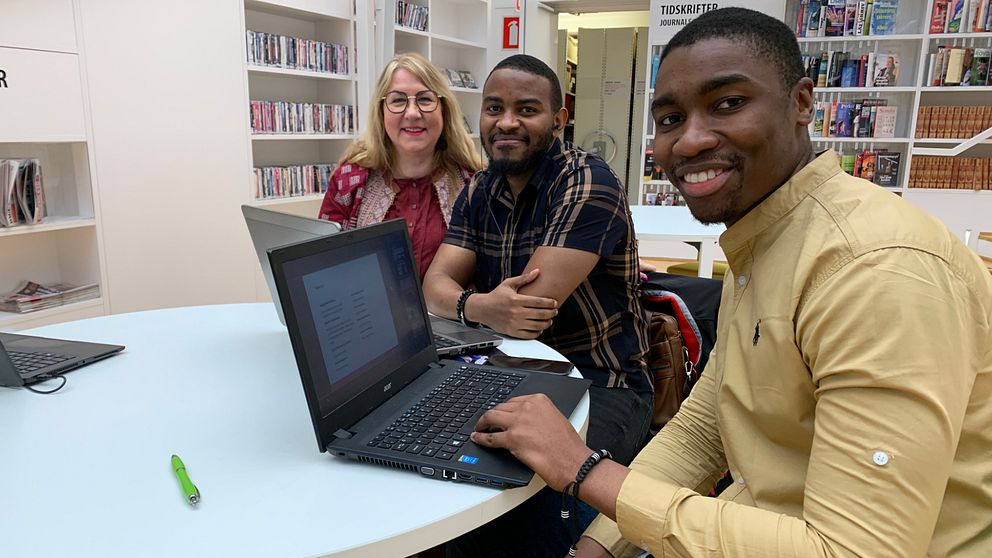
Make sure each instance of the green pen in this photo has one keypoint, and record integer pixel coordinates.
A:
(192, 492)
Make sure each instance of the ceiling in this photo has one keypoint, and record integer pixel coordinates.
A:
(586, 6)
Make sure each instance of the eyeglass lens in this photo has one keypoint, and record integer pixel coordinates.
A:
(396, 102)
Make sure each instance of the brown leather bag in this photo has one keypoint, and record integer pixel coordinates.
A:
(670, 366)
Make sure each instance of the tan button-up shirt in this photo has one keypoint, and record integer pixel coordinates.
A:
(849, 393)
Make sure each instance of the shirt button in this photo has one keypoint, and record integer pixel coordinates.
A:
(740, 481)
(880, 458)
(413, 206)
(742, 280)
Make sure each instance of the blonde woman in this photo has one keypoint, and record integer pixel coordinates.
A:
(412, 161)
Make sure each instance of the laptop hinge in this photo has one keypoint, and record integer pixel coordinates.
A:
(342, 434)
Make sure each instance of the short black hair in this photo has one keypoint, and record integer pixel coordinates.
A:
(532, 65)
(768, 38)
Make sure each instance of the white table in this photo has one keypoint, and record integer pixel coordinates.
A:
(86, 471)
(676, 224)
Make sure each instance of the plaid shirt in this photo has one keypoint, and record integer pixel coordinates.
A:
(573, 200)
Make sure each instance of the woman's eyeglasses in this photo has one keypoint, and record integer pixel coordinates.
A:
(396, 102)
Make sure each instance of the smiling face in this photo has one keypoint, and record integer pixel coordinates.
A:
(517, 124)
(726, 131)
(413, 133)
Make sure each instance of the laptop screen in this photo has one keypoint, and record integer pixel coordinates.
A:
(359, 310)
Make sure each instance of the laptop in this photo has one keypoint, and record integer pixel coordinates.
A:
(375, 388)
(27, 359)
(271, 229)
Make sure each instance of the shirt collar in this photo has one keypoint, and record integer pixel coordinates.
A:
(780, 202)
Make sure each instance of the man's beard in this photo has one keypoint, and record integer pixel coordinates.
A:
(510, 167)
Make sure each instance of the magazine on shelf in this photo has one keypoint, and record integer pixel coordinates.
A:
(32, 296)
(10, 213)
(886, 69)
(468, 80)
(454, 79)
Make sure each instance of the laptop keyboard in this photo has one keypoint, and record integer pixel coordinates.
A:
(442, 342)
(437, 426)
(26, 363)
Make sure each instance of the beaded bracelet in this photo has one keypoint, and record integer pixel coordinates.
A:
(568, 508)
(460, 308)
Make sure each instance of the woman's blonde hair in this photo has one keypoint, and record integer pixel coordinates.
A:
(455, 149)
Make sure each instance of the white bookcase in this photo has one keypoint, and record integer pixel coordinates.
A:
(568, 56)
(456, 38)
(43, 116)
(328, 21)
(961, 210)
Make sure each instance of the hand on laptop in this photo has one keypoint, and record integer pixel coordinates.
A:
(508, 312)
(536, 433)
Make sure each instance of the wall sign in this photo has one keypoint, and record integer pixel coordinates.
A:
(3, 78)
(668, 17)
(511, 32)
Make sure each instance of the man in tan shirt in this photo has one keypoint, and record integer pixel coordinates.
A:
(850, 390)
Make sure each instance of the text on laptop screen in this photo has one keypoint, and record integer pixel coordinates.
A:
(359, 312)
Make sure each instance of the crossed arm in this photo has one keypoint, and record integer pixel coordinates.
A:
(521, 306)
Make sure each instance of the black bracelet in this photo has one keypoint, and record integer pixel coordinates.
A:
(460, 308)
(568, 506)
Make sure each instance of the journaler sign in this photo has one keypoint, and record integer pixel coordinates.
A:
(670, 16)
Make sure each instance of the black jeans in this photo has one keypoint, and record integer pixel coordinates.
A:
(618, 421)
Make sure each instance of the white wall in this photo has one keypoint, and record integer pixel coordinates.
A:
(167, 92)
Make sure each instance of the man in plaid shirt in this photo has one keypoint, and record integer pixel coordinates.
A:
(541, 246)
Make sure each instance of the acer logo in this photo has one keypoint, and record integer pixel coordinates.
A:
(387, 386)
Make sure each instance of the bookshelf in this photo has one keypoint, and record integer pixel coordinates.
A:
(567, 70)
(303, 96)
(454, 35)
(44, 117)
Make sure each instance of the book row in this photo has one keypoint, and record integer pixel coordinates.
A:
(845, 18)
(954, 65)
(844, 69)
(411, 15)
(959, 173)
(269, 49)
(460, 78)
(961, 16)
(292, 180)
(865, 118)
(284, 117)
(952, 122)
(880, 167)
(22, 192)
